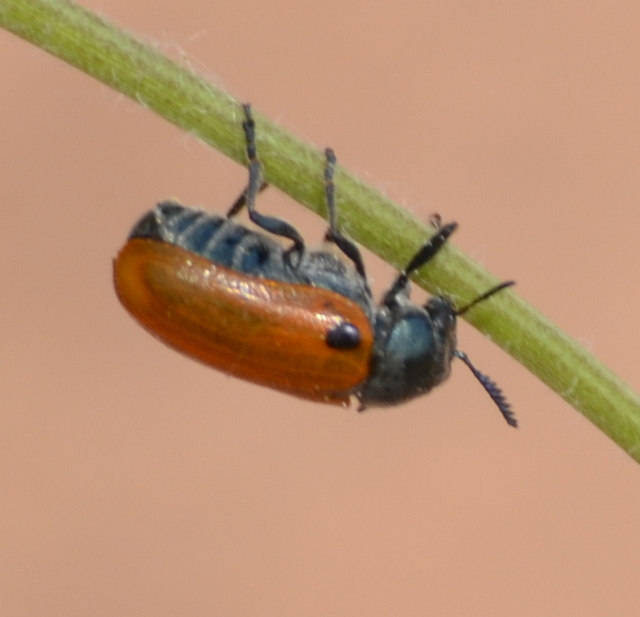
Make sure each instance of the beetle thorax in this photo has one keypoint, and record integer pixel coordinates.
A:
(412, 353)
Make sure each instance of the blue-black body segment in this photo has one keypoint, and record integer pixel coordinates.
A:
(227, 243)
(412, 353)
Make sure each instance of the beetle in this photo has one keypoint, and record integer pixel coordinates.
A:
(296, 320)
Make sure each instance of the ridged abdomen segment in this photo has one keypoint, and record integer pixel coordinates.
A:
(215, 238)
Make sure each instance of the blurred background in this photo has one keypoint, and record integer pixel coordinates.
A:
(134, 481)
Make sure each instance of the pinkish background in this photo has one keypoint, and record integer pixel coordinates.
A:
(135, 482)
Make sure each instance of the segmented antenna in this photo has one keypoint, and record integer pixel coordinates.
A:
(492, 390)
(485, 295)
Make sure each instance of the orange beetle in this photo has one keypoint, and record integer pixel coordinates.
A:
(299, 321)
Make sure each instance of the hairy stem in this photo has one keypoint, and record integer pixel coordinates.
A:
(175, 92)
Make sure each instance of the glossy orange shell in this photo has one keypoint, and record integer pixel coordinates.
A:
(264, 331)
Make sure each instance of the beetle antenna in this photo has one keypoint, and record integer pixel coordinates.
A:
(492, 389)
(485, 295)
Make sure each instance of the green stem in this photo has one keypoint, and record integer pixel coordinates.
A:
(121, 61)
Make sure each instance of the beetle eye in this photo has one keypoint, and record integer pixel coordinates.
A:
(344, 336)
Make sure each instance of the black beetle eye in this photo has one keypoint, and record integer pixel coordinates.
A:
(344, 336)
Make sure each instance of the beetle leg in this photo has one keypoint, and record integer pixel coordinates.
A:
(241, 201)
(435, 220)
(425, 254)
(348, 247)
(270, 224)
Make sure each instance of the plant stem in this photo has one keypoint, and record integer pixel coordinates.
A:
(121, 61)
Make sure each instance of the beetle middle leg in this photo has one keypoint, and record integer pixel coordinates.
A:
(256, 184)
(348, 247)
